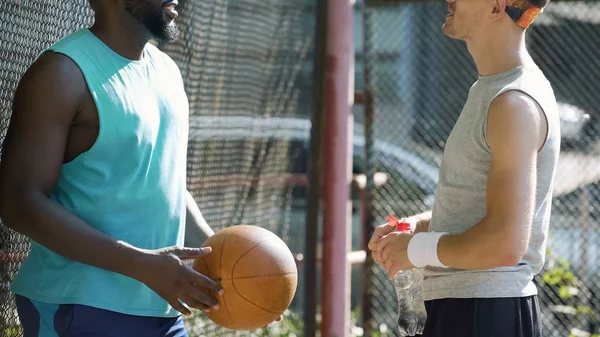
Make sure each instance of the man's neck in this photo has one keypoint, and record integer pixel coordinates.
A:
(496, 55)
(124, 36)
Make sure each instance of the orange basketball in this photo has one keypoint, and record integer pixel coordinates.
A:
(257, 271)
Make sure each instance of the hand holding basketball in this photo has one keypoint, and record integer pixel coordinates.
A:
(164, 272)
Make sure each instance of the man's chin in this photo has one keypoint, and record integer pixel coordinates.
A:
(170, 33)
(449, 32)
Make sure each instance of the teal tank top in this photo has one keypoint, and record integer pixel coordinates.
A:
(130, 185)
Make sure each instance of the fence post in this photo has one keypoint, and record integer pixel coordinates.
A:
(314, 173)
(367, 286)
(337, 173)
(369, 120)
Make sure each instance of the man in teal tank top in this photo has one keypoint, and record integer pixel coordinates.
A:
(94, 172)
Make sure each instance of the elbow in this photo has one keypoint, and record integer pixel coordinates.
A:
(504, 242)
(508, 253)
(509, 259)
(498, 257)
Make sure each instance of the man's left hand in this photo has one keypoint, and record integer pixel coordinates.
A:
(393, 249)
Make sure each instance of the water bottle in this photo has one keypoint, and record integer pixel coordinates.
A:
(411, 306)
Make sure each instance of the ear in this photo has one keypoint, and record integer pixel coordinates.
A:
(498, 9)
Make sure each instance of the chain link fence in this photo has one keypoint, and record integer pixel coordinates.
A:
(25, 29)
(419, 79)
(248, 72)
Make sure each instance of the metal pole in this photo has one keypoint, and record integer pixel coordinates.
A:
(585, 243)
(367, 286)
(339, 87)
(314, 173)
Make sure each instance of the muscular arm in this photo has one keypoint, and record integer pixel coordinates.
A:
(46, 102)
(196, 228)
(516, 131)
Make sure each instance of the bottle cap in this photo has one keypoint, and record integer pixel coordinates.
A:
(400, 226)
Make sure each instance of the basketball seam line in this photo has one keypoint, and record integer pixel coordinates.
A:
(259, 276)
(246, 253)
(220, 268)
(249, 301)
(233, 281)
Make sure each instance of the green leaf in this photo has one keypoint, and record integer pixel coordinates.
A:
(568, 276)
(551, 279)
(564, 263)
(584, 309)
(566, 292)
(547, 277)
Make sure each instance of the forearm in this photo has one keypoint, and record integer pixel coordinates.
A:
(484, 246)
(197, 229)
(52, 226)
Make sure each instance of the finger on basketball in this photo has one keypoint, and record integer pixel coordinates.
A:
(192, 253)
(191, 302)
(201, 296)
(204, 281)
(180, 307)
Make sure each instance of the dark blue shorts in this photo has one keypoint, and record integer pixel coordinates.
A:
(73, 320)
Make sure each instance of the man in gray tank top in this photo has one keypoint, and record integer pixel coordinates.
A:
(485, 238)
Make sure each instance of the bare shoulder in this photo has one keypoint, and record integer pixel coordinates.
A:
(518, 116)
(516, 104)
(45, 105)
(54, 79)
(54, 62)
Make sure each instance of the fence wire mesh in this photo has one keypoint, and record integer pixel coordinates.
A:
(420, 80)
(247, 67)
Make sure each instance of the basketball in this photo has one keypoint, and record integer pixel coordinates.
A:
(257, 271)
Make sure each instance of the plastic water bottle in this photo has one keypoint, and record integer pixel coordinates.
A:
(411, 306)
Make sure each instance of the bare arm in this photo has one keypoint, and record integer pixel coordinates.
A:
(516, 131)
(46, 103)
(197, 229)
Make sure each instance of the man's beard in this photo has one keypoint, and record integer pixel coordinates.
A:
(153, 18)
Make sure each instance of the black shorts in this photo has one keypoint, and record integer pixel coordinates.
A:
(483, 317)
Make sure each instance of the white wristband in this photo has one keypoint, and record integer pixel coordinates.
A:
(422, 250)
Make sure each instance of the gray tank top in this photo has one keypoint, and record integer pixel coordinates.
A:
(460, 199)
